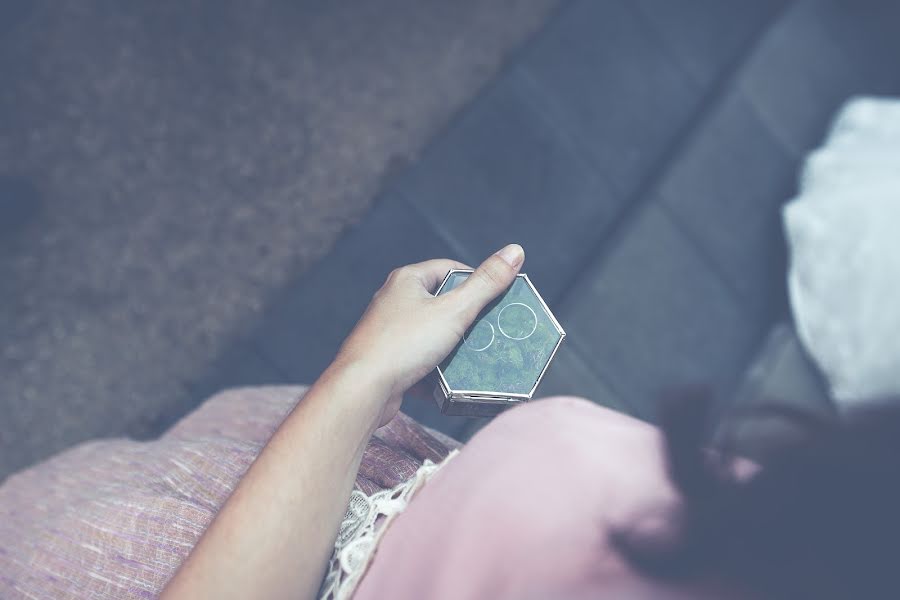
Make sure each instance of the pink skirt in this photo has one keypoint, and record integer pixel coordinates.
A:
(115, 518)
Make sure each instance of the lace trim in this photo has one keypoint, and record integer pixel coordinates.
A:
(365, 521)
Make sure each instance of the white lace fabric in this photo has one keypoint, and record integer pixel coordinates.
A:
(365, 521)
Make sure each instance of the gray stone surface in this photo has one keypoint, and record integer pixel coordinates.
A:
(708, 36)
(179, 162)
(815, 57)
(503, 173)
(866, 31)
(653, 315)
(725, 187)
(609, 84)
(574, 374)
(783, 372)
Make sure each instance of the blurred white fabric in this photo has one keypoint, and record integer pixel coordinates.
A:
(843, 231)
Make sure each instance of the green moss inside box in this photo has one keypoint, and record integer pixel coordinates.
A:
(503, 357)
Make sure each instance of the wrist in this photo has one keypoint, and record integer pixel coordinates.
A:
(366, 377)
(350, 391)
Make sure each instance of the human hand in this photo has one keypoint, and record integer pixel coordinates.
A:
(406, 331)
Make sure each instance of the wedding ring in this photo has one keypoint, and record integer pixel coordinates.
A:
(512, 337)
(474, 348)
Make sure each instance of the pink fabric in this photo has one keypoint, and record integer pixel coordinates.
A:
(524, 510)
(115, 518)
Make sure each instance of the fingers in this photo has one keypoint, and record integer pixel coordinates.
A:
(432, 272)
(490, 279)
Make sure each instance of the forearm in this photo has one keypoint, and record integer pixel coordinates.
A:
(274, 535)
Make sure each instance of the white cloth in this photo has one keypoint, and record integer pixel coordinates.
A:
(843, 230)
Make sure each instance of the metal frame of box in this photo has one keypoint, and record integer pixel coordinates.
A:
(472, 403)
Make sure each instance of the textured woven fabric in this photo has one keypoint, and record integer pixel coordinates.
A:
(115, 518)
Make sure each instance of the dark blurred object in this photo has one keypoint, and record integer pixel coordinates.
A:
(818, 521)
(782, 396)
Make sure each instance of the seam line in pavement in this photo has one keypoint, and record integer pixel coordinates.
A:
(643, 195)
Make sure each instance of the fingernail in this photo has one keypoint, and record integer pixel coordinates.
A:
(513, 255)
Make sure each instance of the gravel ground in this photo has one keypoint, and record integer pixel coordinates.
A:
(166, 166)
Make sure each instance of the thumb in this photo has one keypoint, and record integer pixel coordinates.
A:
(490, 279)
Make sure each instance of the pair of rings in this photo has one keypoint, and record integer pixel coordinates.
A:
(502, 331)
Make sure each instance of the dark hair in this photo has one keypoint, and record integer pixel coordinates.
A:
(820, 520)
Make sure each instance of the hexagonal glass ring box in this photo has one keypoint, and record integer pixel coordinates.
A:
(503, 357)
